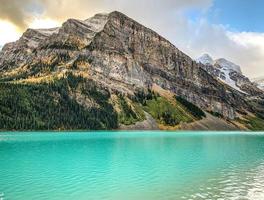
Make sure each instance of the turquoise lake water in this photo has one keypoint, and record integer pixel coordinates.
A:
(129, 166)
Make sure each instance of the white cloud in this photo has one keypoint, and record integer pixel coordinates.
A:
(44, 23)
(249, 39)
(20, 11)
(245, 49)
(253, 46)
(8, 32)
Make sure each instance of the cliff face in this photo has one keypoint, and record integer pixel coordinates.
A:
(121, 55)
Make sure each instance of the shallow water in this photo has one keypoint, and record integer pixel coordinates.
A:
(134, 165)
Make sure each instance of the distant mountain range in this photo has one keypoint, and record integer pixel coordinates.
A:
(110, 72)
(259, 82)
(229, 73)
(220, 63)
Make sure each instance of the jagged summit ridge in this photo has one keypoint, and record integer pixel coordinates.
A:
(19, 53)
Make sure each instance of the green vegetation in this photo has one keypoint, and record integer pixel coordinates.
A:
(143, 96)
(258, 106)
(166, 112)
(129, 114)
(256, 124)
(51, 106)
(253, 123)
(193, 109)
(76, 103)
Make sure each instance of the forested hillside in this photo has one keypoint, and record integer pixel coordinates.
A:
(52, 106)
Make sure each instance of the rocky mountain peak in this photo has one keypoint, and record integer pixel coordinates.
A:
(32, 37)
(259, 82)
(223, 63)
(97, 22)
(205, 59)
(229, 73)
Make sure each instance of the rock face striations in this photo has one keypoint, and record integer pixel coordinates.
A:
(123, 56)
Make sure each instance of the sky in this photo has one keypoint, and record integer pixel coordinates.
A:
(232, 29)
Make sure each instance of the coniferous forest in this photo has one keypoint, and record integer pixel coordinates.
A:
(51, 106)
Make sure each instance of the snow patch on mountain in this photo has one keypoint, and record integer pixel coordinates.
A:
(228, 80)
(205, 59)
(220, 63)
(259, 82)
(261, 86)
(228, 65)
(224, 68)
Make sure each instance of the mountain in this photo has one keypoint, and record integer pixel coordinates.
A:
(109, 71)
(230, 74)
(223, 63)
(259, 82)
(220, 63)
(205, 59)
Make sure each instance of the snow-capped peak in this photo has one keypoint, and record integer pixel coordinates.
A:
(223, 63)
(221, 69)
(205, 59)
(259, 82)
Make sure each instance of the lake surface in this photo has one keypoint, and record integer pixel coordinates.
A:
(131, 165)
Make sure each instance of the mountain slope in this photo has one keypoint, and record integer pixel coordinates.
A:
(58, 105)
(123, 58)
